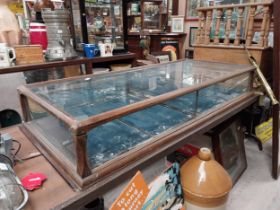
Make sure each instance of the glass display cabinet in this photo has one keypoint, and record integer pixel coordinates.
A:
(147, 15)
(155, 15)
(93, 128)
(133, 14)
(98, 21)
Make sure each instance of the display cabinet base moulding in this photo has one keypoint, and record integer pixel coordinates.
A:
(96, 129)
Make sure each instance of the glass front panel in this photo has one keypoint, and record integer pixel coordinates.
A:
(124, 134)
(105, 22)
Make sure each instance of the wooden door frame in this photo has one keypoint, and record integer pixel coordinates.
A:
(276, 78)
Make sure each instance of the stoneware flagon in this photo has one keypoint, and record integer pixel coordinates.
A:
(205, 182)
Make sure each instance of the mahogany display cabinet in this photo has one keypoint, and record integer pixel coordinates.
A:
(93, 127)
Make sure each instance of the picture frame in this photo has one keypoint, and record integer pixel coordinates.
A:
(177, 24)
(192, 36)
(171, 45)
(228, 147)
(191, 13)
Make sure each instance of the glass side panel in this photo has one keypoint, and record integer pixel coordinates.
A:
(112, 139)
(110, 91)
(55, 131)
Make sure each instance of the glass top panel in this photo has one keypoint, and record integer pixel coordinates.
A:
(85, 97)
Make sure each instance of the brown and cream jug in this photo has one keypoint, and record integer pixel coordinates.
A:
(206, 184)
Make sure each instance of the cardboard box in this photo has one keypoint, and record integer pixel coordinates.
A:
(29, 54)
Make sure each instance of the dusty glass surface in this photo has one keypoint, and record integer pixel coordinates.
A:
(82, 98)
(86, 97)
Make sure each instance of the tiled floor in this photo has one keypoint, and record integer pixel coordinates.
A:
(256, 189)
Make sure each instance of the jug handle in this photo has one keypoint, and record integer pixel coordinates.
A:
(14, 53)
(96, 52)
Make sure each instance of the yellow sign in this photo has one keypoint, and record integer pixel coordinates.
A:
(16, 7)
(133, 196)
(264, 131)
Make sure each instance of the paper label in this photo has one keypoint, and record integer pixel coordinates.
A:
(133, 196)
(3, 167)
